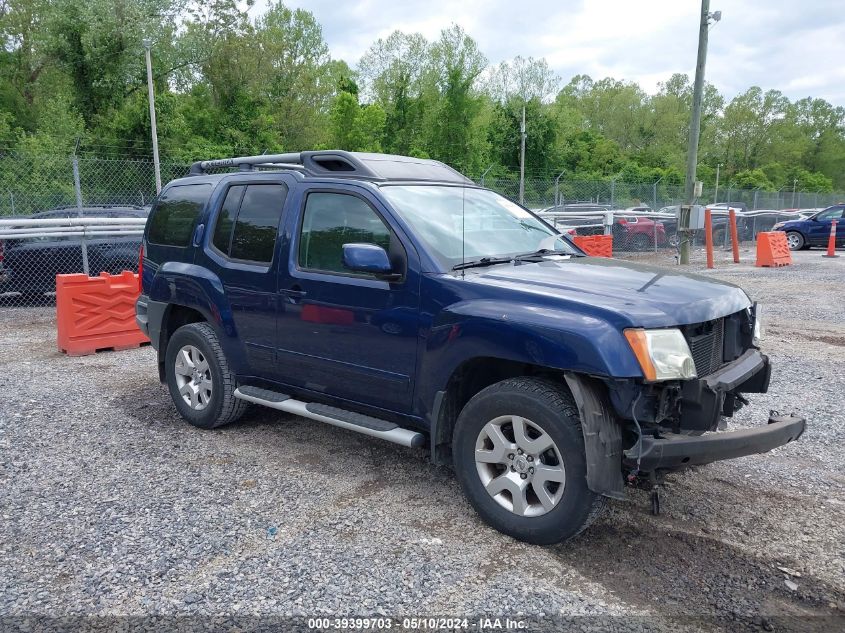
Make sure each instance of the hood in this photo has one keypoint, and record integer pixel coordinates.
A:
(638, 295)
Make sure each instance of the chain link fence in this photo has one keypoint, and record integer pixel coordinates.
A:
(64, 214)
(53, 187)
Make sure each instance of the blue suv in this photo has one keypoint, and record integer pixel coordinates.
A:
(393, 297)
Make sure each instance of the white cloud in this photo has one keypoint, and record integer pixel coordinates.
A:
(775, 44)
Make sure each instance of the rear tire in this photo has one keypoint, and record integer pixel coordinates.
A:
(199, 378)
(525, 414)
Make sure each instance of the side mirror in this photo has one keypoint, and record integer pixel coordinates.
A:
(368, 258)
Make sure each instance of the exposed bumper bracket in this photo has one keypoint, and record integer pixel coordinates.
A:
(672, 451)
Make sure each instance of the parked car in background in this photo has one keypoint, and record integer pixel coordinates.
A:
(30, 264)
(637, 232)
(814, 230)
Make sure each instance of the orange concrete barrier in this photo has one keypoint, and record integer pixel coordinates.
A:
(831, 241)
(595, 245)
(95, 313)
(772, 249)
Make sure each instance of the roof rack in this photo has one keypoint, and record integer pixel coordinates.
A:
(340, 163)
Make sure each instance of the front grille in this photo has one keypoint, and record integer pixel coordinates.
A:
(706, 343)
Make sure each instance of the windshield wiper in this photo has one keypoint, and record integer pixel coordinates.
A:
(484, 261)
(541, 252)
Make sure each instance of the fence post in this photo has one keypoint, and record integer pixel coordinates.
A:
(78, 188)
(654, 226)
(12, 200)
(557, 189)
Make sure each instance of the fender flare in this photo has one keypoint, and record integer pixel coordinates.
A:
(602, 437)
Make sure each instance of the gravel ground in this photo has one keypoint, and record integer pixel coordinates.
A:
(113, 506)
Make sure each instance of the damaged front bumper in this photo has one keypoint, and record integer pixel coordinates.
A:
(671, 451)
(702, 403)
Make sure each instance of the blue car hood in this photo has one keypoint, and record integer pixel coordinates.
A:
(635, 294)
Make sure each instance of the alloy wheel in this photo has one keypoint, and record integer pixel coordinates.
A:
(193, 377)
(520, 465)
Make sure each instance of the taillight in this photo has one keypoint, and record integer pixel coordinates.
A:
(2, 250)
(623, 221)
(141, 268)
(572, 232)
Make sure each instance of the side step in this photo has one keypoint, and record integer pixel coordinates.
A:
(332, 415)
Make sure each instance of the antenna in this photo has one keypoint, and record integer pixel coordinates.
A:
(463, 230)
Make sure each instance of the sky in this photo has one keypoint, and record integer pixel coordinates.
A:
(795, 47)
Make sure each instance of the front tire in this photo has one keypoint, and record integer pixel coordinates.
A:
(199, 378)
(519, 457)
(795, 241)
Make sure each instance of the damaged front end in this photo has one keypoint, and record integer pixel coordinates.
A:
(650, 427)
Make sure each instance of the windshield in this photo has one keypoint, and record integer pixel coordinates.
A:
(467, 224)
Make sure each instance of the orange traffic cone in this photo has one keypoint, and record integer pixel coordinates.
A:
(831, 241)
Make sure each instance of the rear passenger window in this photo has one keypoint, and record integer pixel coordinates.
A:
(248, 222)
(332, 220)
(226, 218)
(175, 214)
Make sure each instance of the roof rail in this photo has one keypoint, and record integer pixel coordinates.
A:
(201, 166)
(323, 161)
(340, 163)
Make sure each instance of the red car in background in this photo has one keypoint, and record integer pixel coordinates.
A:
(636, 232)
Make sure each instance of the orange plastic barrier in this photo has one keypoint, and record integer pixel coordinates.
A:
(772, 249)
(95, 313)
(595, 245)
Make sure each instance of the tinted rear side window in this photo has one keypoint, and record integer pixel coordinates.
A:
(226, 218)
(176, 213)
(248, 222)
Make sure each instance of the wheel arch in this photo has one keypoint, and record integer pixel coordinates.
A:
(467, 379)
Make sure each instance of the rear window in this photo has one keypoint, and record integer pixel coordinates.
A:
(175, 214)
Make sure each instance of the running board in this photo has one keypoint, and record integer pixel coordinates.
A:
(349, 420)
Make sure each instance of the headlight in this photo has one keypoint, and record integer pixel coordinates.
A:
(758, 326)
(662, 354)
(777, 226)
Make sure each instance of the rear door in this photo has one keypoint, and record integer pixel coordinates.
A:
(242, 249)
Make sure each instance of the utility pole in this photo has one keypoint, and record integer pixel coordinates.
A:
(695, 121)
(148, 44)
(522, 158)
(716, 194)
